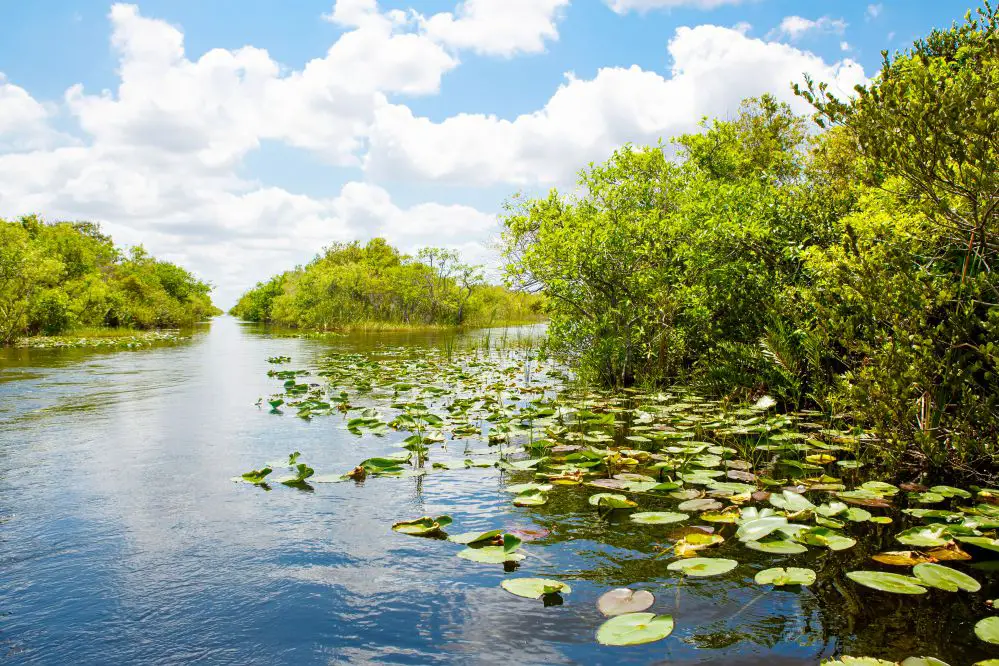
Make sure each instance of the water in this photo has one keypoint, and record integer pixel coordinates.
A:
(123, 541)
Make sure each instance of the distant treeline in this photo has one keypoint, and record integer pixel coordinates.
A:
(853, 269)
(352, 285)
(57, 277)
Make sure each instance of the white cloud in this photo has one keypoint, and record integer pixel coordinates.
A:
(624, 6)
(714, 68)
(497, 27)
(23, 120)
(874, 11)
(795, 27)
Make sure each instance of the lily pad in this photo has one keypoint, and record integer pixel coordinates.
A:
(658, 517)
(490, 555)
(887, 582)
(988, 630)
(755, 530)
(790, 576)
(777, 546)
(624, 600)
(945, 578)
(635, 629)
(700, 505)
(611, 501)
(534, 588)
(425, 526)
(703, 566)
(474, 537)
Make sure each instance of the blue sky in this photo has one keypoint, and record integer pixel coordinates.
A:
(240, 137)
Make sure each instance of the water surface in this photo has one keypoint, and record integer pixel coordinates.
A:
(124, 541)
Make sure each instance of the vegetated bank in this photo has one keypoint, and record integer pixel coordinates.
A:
(68, 279)
(850, 269)
(375, 286)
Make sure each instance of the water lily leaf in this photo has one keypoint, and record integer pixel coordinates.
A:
(658, 517)
(611, 501)
(927, 498)
(858, 661)
(822, 536)
(887, 582)
(474, 537)
(257, 476)
(520, 488)
(924, 537)
(857, 515)
(831, 509)
(623, 600)
(988, 630)
(902, 558)
(790, 576)
(534, 588)
(945, 578)
(700, 505)
(424, 526)
(950, 552)
(820, 458)
(703, 566)
(490, 555)
(720, 517)
(777, 546)
(635, 629)
(950, 491)
(981, 542)
(792, 502)
(923, 661)
(755, 530)
(530, 498)
(693, 542)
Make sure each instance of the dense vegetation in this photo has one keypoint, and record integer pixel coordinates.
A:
(352, 285)
(64, 276)
(849, 269)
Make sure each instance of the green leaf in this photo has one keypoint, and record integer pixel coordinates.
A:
(887, 582)
(534, 588)
(703, 566)
(790, 576)
(988, 630)
(658, 517)
(945, 578)
(623, 600)
(635, 629)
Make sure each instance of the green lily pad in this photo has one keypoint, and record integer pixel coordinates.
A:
(988, 630)
(534, 588)
(790, 576)
(924, 537)
(981, 542)
(622, 601)
(945, 578)
(531, 498)
(635, 629)
(424, 526)
(703, 566)
(611, 501)
(754, 530)
(777, 546)
(700, 505)
(792, 502)
(474, 537)
(490, 555)
(887, 582)
(658, 517)
(823, 536)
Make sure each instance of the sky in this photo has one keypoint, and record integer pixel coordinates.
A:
(240, 138)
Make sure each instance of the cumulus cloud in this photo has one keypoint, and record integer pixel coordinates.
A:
(159, 160)
(713, 69)
(796, 27)
(624, 6)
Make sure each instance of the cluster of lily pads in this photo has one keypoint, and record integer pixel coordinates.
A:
(134, 340)
(776, 483)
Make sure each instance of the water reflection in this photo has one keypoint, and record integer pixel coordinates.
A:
(123, 540)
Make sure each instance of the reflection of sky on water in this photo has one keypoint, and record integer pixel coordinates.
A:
(125, 541)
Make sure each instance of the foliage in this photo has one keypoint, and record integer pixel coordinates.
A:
(351, 284)
(851, 270)
(63, 276)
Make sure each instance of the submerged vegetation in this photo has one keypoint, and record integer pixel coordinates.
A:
(354, 286)
(58, 278)
(849, 270)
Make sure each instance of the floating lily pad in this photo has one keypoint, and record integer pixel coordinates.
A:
(474, 537)
(945, 578)
(790, 576)
(658, 517)
(700, 505)
(988, 630)
(902, 558)
(531, 498)
(924, 537)
(611, 501)
(425, 526)
(777, 546)
(694, 542)
(635, 629)
(755, 530)
(534, 588)
(624, 600)
(792, 502)
(887, 582)
(490, 555)
(703, 566)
